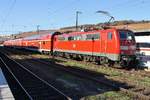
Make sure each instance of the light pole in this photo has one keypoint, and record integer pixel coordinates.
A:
(77, 15)
(38, 29)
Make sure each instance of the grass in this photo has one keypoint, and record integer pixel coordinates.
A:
(113, 74)
(108, 96)
(144, 81)
(97, 69)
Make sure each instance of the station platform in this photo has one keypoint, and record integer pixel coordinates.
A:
(5, 92)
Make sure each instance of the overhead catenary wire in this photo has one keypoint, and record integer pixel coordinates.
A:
(8, 13)
(63, 7)
(57, 11)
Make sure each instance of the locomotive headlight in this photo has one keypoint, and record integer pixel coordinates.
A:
(143, 53)
(133, 47)
(122, 52)
(137, 53)
(137, 58)
(124, 58)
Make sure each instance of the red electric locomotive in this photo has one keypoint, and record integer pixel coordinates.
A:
(103, 46)
(107, 46)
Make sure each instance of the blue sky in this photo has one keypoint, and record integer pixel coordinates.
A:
(25, 15)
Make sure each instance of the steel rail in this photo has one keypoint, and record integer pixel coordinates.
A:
(45, 82)
(29, 96)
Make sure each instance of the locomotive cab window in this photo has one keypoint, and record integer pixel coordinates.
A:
(110, 35)
(125, 35)
(130, 36)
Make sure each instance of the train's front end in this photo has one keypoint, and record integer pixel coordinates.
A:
(127, 48)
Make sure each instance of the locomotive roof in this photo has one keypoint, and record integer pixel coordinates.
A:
(92, 31)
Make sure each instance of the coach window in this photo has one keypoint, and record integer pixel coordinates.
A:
(79, 37)
(44, 43)
(70, 38)
(143, 45)
(110, 36)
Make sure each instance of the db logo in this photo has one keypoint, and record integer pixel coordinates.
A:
(74, 45)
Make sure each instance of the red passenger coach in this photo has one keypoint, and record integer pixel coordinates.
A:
(40, 42)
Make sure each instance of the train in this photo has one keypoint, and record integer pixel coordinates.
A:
(143, 48)
(106, 46)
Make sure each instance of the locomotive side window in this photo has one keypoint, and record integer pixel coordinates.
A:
(96, 36)
(89, 37)
(79, 37)
(84, 37)
(93, 36)
(110, 35)
(61, 38)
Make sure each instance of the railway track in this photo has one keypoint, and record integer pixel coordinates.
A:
(27, 85)
(137, 73)
(136, 92)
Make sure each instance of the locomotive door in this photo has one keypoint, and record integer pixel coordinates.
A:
(109, 43)
(104, 43)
